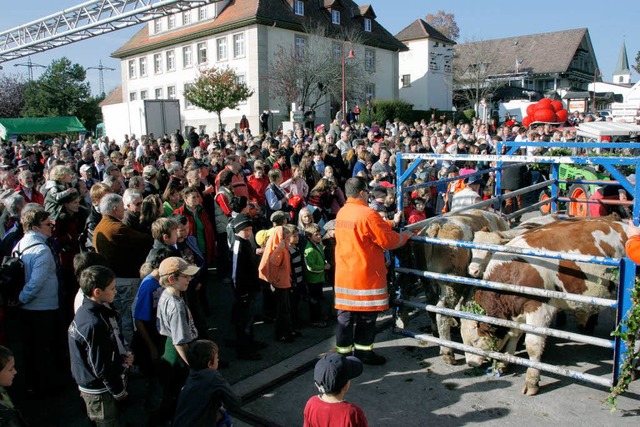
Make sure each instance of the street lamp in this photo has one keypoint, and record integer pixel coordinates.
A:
(350, 56)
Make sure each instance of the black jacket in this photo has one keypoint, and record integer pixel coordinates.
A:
(96, 362)
(245, 268)
(160, 252)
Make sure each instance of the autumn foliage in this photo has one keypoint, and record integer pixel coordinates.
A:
(217, 89)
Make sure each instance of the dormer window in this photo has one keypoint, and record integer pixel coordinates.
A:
(367, 25)
(298, 7)
(157, 26)
(335, 17)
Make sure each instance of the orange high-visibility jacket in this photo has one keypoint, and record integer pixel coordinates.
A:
(632, 248)
(361, 275)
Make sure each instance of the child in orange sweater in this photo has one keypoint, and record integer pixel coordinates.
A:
(275, 268)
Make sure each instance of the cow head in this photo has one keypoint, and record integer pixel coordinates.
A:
(483, 336)
(479, 257)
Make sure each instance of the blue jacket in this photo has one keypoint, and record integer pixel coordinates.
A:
(40, 291)
(96, 363)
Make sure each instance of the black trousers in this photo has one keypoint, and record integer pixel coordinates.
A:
(356, 328)
(42, 348)
(283, 325)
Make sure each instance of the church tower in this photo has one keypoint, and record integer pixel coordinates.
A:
(622, 73)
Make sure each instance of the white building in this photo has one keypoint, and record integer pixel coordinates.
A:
(426, 68)
(167, 54)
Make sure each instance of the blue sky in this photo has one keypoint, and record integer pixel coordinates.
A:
(608, 27)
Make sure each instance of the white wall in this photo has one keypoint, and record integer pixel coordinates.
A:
(261, 44)
(429, 88)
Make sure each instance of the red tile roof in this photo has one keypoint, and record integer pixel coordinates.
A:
(240, 13)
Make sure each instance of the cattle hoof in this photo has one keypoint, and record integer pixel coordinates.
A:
(530, 390)
(449, 359)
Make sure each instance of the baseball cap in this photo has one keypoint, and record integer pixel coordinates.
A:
(475, 180)
(278, 216)
(333, 371)
(84, 168)
(175, 264)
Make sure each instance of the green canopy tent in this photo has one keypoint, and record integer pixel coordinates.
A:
(11, 128)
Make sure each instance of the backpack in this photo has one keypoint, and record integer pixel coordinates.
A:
(12, 276)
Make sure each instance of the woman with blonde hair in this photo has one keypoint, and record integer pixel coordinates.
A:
(57, 188)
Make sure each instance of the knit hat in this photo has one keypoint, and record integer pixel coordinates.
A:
(241, 222)
(333, 371)
(261, 238)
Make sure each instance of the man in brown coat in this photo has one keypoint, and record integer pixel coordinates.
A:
(126, 250)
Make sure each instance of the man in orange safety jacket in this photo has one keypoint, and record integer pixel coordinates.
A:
(362, 236)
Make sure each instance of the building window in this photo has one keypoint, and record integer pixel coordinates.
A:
(171, 92)
(241, 79)
(238, 45)
(335, 17)
(367, 25)
(406, 80)
(143, 66)
(187, 104)
(369, 60)
(171, 22)
(202, 53)
(187, 56)
(133, 96)
(298, 7)
(370, 91)
(171, 60)
(299, 46)
(144, 95)
(221, 49)
(186, 18)
(202, 13)
(157, 63)
(157, 27)
(159, 93)
(132, 68)
(447, 63)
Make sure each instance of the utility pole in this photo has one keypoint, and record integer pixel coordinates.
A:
(101, 69)
(30, 66)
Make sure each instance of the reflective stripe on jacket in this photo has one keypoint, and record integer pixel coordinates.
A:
(362, 236)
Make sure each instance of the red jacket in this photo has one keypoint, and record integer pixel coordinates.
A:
(209, 236)
(36, 196)
(258, 188)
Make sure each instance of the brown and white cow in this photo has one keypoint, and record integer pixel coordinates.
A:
(480, 258)
(452, 260)
(604, 236)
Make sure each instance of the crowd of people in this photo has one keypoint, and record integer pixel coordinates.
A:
(119, 241)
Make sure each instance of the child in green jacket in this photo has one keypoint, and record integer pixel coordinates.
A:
(315, 267)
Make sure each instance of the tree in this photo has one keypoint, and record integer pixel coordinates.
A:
(217, 89)
(312, 76)
(474, 74)
(58, 92)
(445, 23)
(62, 91)
(637, 66)
(11, 95)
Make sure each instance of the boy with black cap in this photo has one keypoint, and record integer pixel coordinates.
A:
(332, 375)
(246, 286)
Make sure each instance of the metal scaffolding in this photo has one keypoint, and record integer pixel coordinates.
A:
(89, 19)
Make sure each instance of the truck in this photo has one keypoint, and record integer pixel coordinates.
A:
(157, 117)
